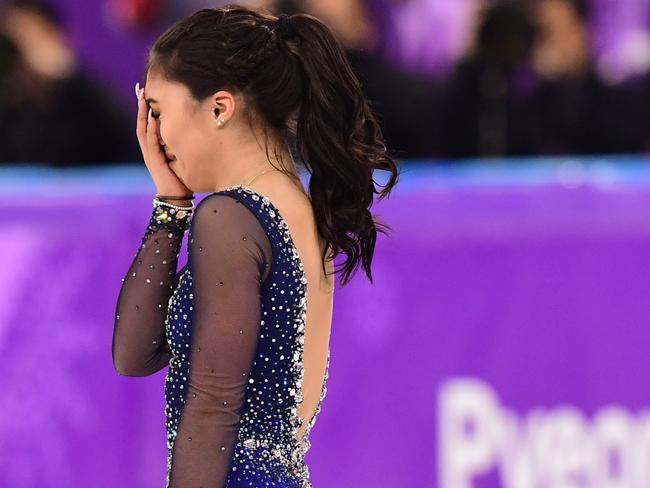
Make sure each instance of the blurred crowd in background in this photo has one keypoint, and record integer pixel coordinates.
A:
(525, 83)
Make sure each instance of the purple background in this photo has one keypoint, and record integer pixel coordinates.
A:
(531, 279)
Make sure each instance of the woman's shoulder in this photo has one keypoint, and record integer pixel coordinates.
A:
(283, 201)
(280, 191)
(287, 196)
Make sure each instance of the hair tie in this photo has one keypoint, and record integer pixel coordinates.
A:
(284, 28)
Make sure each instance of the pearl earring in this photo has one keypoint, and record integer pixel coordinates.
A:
(220, 122)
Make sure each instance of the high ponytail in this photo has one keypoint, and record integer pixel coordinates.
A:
(308, 93)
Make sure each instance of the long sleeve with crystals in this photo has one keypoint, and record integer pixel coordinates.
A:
(229, 257)
(139, 346)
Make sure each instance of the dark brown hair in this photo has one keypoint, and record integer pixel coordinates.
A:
(303, 89)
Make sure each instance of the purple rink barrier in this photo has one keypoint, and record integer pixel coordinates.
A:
(505, 342)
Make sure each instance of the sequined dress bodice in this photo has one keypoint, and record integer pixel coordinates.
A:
(265, 450)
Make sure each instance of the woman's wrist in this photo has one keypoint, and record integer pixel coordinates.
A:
(180, 203)
(180, 200)
(174, 218)
(167, 212)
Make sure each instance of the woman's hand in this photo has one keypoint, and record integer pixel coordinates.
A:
(165, 180)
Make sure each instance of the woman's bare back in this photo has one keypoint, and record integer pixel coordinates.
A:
(296, 209)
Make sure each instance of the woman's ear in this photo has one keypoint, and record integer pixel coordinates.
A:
(224, 104)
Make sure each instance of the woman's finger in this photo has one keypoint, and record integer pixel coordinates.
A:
(154, 152)
(141, 126)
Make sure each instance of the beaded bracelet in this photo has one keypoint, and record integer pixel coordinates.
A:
(157, 201)
(166, 212)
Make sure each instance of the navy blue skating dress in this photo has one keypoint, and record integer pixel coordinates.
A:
(231, 327)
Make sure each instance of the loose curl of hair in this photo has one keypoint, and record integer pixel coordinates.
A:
(303, 89)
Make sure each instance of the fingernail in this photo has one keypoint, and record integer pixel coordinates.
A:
(149, 115)
(137, 90)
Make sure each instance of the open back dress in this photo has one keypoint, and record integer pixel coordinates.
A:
(231, 327)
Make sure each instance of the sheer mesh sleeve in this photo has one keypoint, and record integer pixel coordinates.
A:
(229, 257)
(139, 344)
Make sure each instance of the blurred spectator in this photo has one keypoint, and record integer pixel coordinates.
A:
(50, 111)
(9, 63)
(136, 15)
(488, 110)
(578, 112)
(562, 45)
